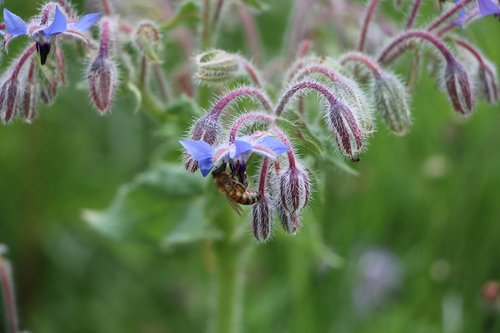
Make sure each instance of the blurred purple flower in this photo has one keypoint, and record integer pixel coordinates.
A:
(240, 150)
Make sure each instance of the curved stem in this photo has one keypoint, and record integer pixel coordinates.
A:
(298, 87)
(366, 22)
(9, 299)
(450, 26)
(252, 72)
(413, 14)
(246, 118)
(414, 34)
(362, 59)
(238, 93)
(446, 15)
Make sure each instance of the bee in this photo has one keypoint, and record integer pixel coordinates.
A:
(235, 187)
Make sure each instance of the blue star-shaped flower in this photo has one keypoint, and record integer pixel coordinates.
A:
(44, 35)
(239, 151)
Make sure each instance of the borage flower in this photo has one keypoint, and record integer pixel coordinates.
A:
(43, 33)
(236, 153)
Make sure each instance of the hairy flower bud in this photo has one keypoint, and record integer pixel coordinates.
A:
(391, 100)
(147, 40)
(487, 82)
(29, 102)
(102, 78)
(205, 129)
(289, 221)
(294, 187)
(347, 129)
(458, 88)
(48, 83)
(262, 221)
(9, 93)
(216, 66)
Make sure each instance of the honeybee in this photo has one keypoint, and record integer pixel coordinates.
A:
(235, 187)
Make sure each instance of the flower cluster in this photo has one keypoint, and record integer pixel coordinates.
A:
(352, 90)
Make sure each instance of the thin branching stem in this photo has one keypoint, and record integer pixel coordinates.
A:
(413, 14)
(366, 23)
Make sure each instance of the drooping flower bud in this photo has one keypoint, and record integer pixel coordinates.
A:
(346, 127)
(289, 221)
(147, 40)
(30, 95)
(487, 82)
(9, 100)
(294, 187)
(216, 66)
(205, 129)
(262, 221)
(458, 88)
(102, 78)
(391, 100)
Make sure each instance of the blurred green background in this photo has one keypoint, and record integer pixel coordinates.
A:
(426, 205)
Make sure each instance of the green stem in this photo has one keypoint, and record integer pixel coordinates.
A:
(206, 33)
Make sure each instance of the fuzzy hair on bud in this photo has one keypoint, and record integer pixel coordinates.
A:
(205, 129)
(102, 78)
(147, 40)
(9, 100)
(346, 127)
(216, 66)
(30, 100)
(391, 99)
(294, 187)
(262, 221)
(487, 82)
(290, 222)
(458, 88)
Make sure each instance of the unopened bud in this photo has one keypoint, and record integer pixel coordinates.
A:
(458, 88)
(147, 39)
(205, 129)
(294, 187)
(391, 100)
(346, 127)
(48, 83)
(289, 221)
(353, 95)
(487, 83)
(102, 78)
(262, 219)
(30, 102)
(9, 93)
(216, 66)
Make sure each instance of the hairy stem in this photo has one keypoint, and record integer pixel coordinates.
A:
(106, 7)
(237, 93)
(446, 15)
(247, 118)
(366, 22)
(413, 14)
(22, 60)
(386, 55)
(252, 72)
(9, 299)
(362, 59)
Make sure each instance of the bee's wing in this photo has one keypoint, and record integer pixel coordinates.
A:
(237, 208)
(234, 204)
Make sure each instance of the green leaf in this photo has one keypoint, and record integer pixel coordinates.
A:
(300, 131)
(158, 202)
(188, 14)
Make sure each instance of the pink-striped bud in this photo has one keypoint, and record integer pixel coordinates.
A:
(262, 221)
(205, 129)
(487, 83)
(346, 128)
(30, 101)
(294, 188)
(9, 93)
(102, 78)
(289, 221)
(458, 88)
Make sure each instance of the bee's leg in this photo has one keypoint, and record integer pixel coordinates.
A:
(217, 171)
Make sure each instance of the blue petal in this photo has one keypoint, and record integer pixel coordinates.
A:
(86, 21)
(241, 148)
(205, 166)
(487, 7)
(58, 25)
(14, 24)
(273, 144)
